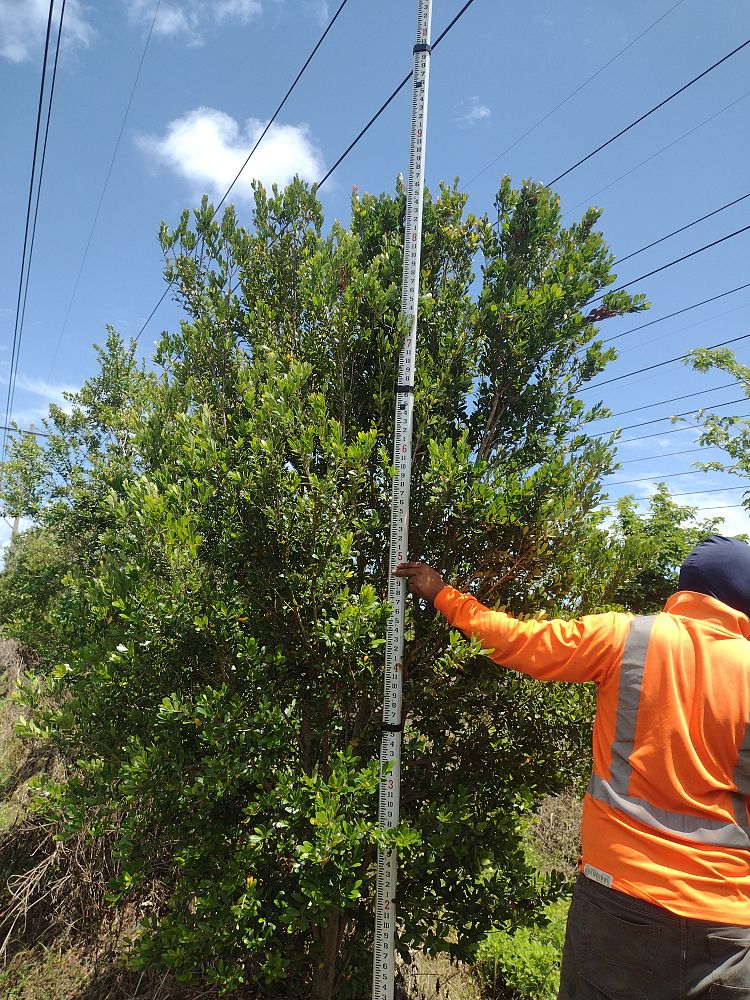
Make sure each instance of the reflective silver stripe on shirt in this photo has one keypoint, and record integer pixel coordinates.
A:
(615, 792)
(699, 829)
(628, 700)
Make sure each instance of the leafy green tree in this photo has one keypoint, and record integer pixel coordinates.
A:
(31, 590)
(729, 433)
(219, 710)
(633, 563)
(61, 479)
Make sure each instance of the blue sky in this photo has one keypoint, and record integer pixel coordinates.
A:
(213, 74)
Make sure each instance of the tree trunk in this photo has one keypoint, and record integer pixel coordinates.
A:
(324, 969)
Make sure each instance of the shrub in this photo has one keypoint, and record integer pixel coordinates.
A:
(524, 963)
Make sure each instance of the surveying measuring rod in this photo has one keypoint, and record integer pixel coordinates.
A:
(390, 747)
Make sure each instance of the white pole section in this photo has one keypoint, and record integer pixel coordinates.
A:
(390, 747)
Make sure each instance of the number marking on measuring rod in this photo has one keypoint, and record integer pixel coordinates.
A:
(390, 747)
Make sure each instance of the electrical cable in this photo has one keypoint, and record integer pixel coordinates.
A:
(570, 95)
(671, 263)
(28, 220)
(725, 506)
(21, 430)
(675, 232)
(669, 454)
(663, 402)
(743, 307)
(352, 144)
(103, 191)
(657, 479)
(645, 437)
(13, 374)
(286, 97)
(657, 420)
(678, 312)
(385, 104)
(257, 143)
(676, 430)
(658, 152)
(152, 313)
(690, 493)
(648, 113)
(25, 262)
(660, 364)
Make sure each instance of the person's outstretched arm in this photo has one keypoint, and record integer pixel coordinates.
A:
(579, 650)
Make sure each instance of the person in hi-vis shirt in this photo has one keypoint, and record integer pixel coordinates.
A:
(661, 908)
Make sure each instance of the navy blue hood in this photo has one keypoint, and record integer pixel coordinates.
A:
(719, 567)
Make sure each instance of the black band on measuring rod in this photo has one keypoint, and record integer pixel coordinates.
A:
(422, 47)
(404, 388)
(391, 727)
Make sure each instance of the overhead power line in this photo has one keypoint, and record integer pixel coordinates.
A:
(103, 191)
(257, 143)
(663, 402)
(725, 506)
(677, 312)
(658, 152)
(671, 263)
(712, 320)
(285, 98)
(661, 364)
(648, 113)
(669, 454)
(572, 94)
(22, 430)
(658, 479)
(658, 420)
(675, 232)
(675, 430)
(36, 205)
(352, 144)
(393, 95)
(645, 437)
(691, 493)
(26, 239)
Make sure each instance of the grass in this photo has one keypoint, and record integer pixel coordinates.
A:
(45, 974)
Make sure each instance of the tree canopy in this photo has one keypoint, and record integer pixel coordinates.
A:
(212, 660)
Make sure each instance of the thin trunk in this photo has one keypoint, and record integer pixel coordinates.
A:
(326, 952)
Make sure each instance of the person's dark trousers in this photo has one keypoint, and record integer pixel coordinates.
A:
(621, 948)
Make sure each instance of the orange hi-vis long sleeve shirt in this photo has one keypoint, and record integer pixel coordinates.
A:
(665, 817)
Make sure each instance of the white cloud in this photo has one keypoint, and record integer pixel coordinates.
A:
(320, 10)
(243, 10)
(736, 519)
(190, 18)
(655, 445)
(207, 148)
(469, 115)
(30, 417)
(46, 390)
(23, 25)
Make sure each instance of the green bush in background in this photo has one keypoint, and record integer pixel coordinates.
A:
(524, 963)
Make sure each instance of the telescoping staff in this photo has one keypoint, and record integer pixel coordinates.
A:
(661, 907)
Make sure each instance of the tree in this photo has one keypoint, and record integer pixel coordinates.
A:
(731, 433)
(633, 563)
(220, 709)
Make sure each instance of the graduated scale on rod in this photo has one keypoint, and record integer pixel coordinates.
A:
(390, 748)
